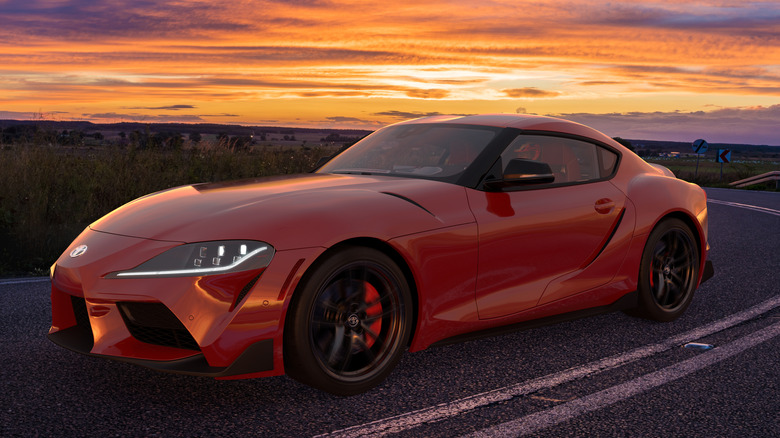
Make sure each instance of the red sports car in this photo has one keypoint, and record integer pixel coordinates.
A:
(425, 232)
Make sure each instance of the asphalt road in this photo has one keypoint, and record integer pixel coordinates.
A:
(610, 375)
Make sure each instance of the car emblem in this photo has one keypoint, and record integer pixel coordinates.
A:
(79, 250)
(353, 321)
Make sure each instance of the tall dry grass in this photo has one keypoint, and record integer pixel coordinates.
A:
(48, 195)
(712, 174)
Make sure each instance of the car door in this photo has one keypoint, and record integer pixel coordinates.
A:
(530, 235)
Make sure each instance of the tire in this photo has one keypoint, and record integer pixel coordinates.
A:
(349, 322)
(668, 273)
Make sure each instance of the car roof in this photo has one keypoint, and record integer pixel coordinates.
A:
(524, 122)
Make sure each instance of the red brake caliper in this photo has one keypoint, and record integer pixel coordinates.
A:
(372, 296)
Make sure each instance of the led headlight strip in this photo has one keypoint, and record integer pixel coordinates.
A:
(214, 270)
(203, 258)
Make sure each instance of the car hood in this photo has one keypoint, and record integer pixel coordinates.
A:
(292, 211)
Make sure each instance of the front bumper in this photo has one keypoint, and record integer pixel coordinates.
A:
(149, 334)
(223, 326)
(257, 358)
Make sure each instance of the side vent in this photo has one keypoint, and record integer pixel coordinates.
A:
(244, 291)
(603, 246)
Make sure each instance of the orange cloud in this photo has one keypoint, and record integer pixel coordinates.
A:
(428, 94)
(529, 92)
(84, 57)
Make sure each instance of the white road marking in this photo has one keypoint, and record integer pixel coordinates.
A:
(543, 419)
(410, 420)
(24, 280)
(746, 206)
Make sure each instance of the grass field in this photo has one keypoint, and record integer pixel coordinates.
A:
(49, 194)
(709, 172)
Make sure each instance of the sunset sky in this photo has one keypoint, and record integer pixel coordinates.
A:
(666, 70)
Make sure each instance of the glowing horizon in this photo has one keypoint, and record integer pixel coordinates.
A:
(666, 70)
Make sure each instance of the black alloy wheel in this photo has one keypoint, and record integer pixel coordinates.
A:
(350, 322)
(669, 271)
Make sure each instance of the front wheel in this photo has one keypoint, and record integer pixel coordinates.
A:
(669, 271)
(349, 323)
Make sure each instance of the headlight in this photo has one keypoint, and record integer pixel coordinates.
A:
(203, 258)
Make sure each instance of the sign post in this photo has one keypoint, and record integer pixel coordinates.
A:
(699, 147)
(724, 156)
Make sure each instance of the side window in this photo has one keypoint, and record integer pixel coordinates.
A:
(608, 162)
(570, 160)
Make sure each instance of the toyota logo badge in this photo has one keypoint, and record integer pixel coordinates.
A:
(79, 250)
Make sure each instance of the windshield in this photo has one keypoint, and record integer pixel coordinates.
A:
(433, 151)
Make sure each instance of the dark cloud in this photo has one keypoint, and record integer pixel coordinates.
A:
(632, 15)
(190, 118)
(170, 107)
(16, 115)
(34, 115)
(113, 115)
(751, 125)
(747, 18)
(341, 119)
(87, 20)
(529, 92)
(162, 118)
(347, 122)
(318, 3)
(404, 115)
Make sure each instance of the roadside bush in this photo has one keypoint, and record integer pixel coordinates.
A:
(49, 194)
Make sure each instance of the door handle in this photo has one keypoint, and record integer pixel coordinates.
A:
(604, 206)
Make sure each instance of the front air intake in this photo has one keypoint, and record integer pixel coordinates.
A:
(154, 323)
(80, 335)
(80, 313)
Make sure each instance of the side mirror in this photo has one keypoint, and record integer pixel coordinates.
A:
(521, 172)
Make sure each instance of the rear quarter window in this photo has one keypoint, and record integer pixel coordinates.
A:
(607, 162)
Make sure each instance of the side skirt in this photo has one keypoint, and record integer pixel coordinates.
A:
(627, 301)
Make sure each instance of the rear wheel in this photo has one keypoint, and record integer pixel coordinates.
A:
(350, 322)
(669, 271)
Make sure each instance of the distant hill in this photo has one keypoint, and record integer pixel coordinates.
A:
(183, 128)
(643, 147)
(739, 151)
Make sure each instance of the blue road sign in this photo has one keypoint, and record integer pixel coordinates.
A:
(724, 156)
(700, 146)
